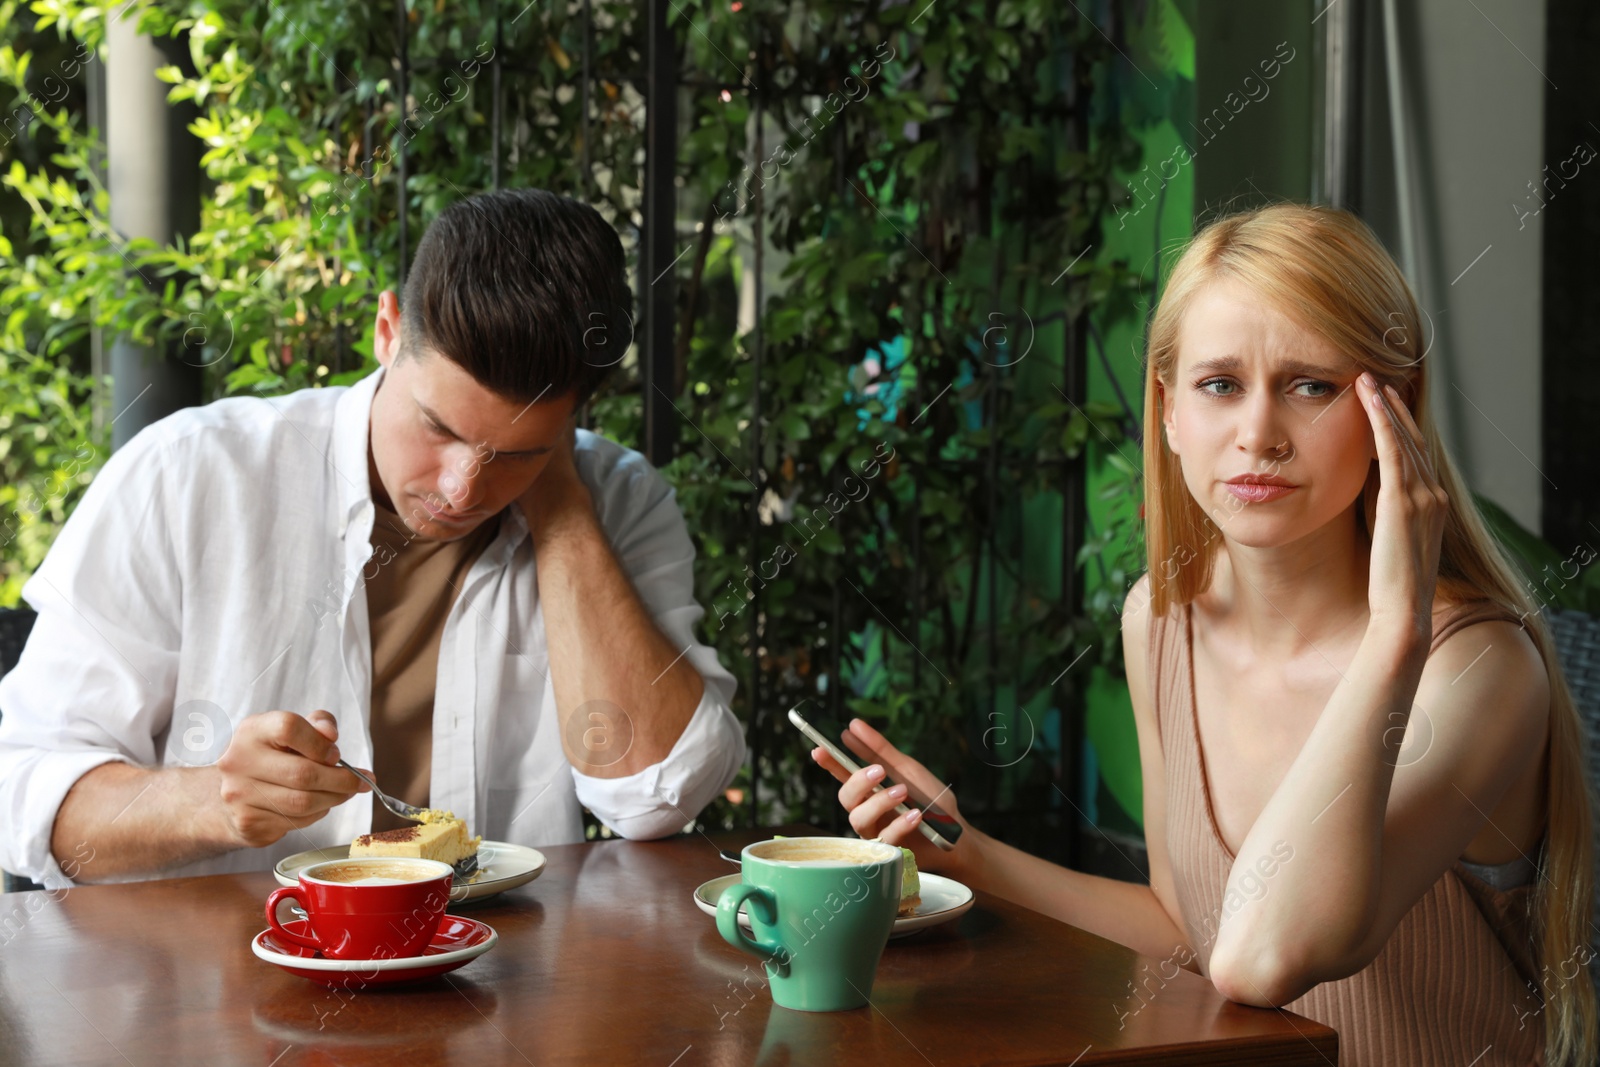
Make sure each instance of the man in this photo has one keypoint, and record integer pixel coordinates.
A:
(429, 573)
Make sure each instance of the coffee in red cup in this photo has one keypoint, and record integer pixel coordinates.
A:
(367, 908)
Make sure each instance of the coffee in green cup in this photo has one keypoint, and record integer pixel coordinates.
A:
(821, 909)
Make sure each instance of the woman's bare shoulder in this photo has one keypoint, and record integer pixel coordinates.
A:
(1461, 602)
(1489, 659)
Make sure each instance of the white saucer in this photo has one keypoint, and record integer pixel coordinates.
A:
(501, 867)
(943, 899)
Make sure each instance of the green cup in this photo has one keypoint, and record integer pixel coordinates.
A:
(821, 909)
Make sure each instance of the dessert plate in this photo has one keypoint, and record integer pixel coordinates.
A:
(943, 899)
(459, 941)
(501, 867)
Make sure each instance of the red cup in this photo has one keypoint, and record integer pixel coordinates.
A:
(360, 909)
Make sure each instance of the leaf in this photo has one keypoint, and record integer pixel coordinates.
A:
(558, 53)
(1117, 460)
(794, 426)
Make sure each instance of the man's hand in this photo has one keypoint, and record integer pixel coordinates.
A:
(558, 492)
(643, 685)
(279, 774)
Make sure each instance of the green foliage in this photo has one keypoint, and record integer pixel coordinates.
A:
(912, 181)
(49, 446)
(48, 454)
(1568, 582)
(923, 210)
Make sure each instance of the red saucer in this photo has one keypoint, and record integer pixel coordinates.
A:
(460, 940)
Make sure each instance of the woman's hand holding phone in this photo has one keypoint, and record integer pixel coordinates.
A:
(872, 815)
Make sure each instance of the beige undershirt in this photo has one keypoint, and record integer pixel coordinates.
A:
(411, 586)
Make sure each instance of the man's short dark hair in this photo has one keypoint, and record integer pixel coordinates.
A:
(524, 290)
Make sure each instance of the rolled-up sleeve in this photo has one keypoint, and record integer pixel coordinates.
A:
(95, 681)
(639, 512)
(666, 797)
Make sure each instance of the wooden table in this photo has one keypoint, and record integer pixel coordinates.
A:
(604, 959)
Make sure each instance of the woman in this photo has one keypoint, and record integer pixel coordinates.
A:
(1364, 796)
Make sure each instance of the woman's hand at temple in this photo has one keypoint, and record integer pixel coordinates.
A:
(872, 815)
(1408, 529)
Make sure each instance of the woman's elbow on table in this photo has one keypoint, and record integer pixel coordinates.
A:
(1265, 977)
(1269, 968)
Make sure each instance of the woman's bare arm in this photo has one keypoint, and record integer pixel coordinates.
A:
(1142, 917)
(1369, 839)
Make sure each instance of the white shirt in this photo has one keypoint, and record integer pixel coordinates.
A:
(213, 570)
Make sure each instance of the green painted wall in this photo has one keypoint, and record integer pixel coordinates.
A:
(1158, 100)
(1221, 96)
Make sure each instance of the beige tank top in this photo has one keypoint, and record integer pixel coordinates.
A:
(1456, 983)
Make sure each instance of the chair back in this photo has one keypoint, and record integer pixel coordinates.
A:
(15, 626)
(1577, 638)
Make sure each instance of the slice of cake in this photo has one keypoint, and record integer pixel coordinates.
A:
(438, 836)
(910, 884)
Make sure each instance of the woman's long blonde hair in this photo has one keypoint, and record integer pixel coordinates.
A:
(1326, 270)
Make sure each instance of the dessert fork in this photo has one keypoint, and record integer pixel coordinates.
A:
(399, 807)
(464, 866)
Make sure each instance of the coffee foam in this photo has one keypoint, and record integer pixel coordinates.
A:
(391, 872)
(822, 852)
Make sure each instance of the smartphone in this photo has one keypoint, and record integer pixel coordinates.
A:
(937, 826)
